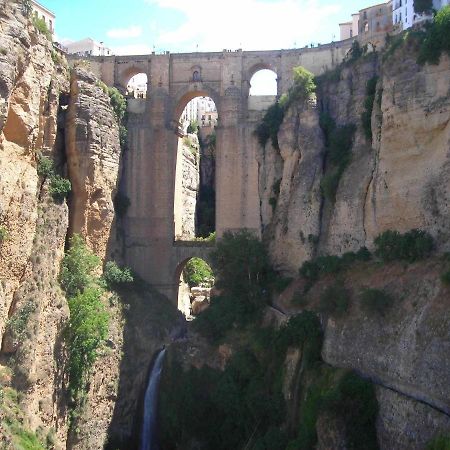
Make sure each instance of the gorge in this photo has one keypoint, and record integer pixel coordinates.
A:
(329, 323)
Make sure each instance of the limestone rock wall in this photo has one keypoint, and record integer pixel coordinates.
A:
(187, 185)
(93, 158)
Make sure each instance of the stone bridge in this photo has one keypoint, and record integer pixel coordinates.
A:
(150, 162)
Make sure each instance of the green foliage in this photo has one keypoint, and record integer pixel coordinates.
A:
(375, 301)
(211, 237)
(301, 90)
(118, 103)
(77, 267)
(331, 264)
(439, 443)
(356, 51)
(338, 143)
(335, 300)
(270, 124)
(436, 39)
(423, 6)
(45, 167)
(244, 403)
(445, 277)
(121, 204)
(354, 400)
(198, 273)
(87, 329)
(116, 276)
(241, 265)
(19, 320)
(59, 188)
(411, 246)
(193, 127)
(4, 234)
(366, 116)
(41, 26)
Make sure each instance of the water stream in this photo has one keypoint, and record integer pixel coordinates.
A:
(148, 434)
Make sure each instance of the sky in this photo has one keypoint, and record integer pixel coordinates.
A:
(141, 26)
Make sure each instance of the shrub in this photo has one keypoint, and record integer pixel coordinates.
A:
(41, 26)
(193, 127)
(338, 142)
(411, 246)
(27, 8)
(335, 300)
(439, 443)
(198, 273)
(366, 116)
(87, 329)
(77, 267)
(121, 204)
(118, 103)
(19, 320)
(116, 276)
(45, 167)
(60, 187)
(375, 301)
(269, 126)
(3, 233)
(436, 39)
(445, 277)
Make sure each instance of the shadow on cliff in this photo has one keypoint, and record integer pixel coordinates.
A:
(149, 318)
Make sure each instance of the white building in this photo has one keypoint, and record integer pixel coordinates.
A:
(87, 47)
(403, 13)
(45, 14)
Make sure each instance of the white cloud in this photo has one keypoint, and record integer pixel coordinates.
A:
(247, 24)
(123, 33)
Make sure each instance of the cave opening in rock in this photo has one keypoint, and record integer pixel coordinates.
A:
(195, 279)
(195, 184)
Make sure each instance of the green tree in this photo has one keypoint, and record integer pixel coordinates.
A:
(77, 267)
(198, 273)
(87, 329)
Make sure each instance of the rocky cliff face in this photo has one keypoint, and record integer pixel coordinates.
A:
(398, 180)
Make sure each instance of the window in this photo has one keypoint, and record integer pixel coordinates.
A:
(196, 76)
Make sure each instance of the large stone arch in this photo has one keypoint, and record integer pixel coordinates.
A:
(268, 64)
(126, 73)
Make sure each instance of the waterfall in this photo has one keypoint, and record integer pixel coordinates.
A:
(148, 438)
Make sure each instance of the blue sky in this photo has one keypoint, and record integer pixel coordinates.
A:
(138, 26)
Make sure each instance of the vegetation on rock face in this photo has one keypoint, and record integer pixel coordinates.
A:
(119, 105)
(338, 144)
(59, 187)
(41, 26)
(88, 322)
(301, 90)
(116, 276)
(198, 273)
(241, 266)
(436, 38)
(3, 233)
(439, 443)
(366, 116)
(335, 300)
(411, 246)
(375, 301)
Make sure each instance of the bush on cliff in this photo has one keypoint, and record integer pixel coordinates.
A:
(116, 276)
(376, 301)
(436, 39)
(241, 266)
(198, 273)
(301, 90)
(411, 246)
(366, 116)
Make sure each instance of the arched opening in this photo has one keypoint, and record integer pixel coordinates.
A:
(195, 180)
(195, 280)
(137, 86)
(263, 90)
(264, 82)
